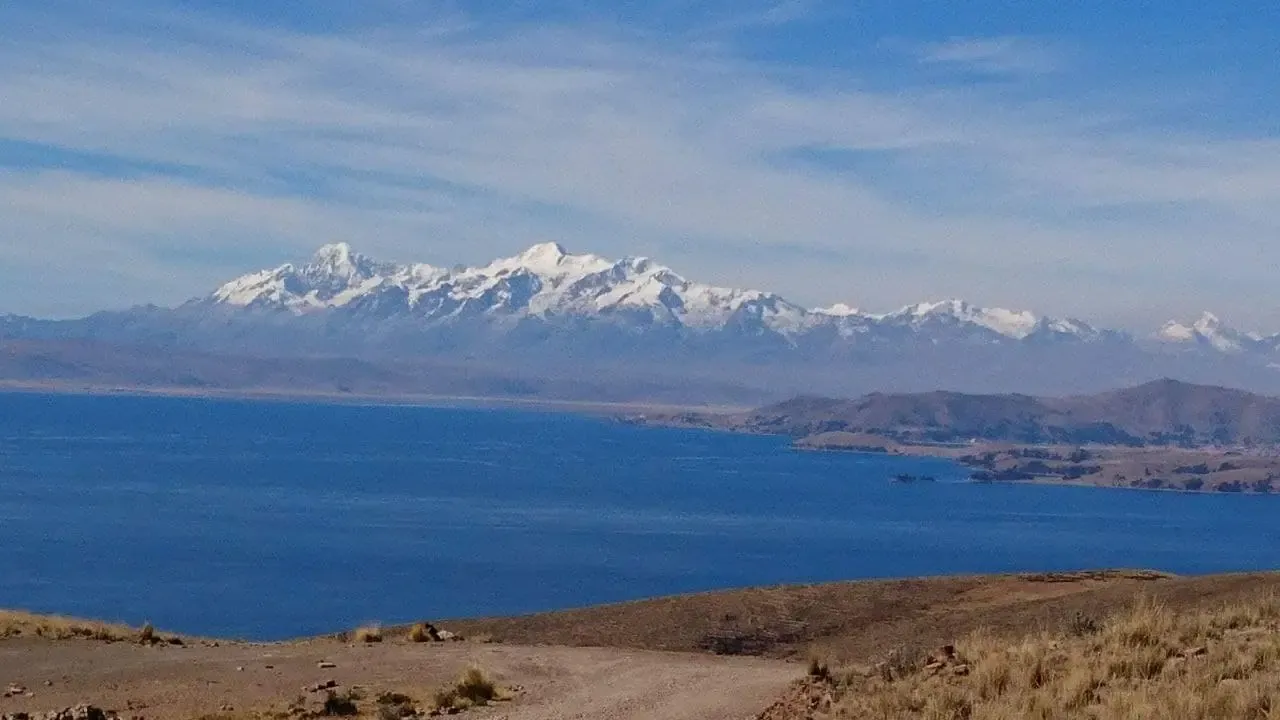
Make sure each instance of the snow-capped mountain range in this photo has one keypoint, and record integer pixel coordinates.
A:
(549, 284)
(549, 312)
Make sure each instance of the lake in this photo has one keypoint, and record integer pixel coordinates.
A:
(267, 520)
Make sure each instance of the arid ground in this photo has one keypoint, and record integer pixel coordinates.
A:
(717, 655)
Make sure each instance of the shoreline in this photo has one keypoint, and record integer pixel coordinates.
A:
(1101, 466)
(1207, 470)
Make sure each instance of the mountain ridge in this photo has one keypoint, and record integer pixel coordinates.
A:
(556, 281)
(548, 311)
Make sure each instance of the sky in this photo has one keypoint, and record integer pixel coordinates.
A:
(1116, 162)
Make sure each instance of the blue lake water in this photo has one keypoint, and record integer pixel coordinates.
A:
(266, 520)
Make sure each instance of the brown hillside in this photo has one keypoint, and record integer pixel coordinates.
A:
(1160, 412)
(1182, 410)
(861, 621)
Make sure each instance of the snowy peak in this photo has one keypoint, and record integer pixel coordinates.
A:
(333, 255)
(1208, 331)
(548, 254)
(838, 310)
(335, 270)
(333, 276)
(1008, 323)
(548, 260)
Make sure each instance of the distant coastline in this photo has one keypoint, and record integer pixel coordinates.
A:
(328, 397)
(1200, 470)
(1164, 435)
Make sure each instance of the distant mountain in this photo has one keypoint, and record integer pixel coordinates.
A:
(1159, 412)
(1211, 333)
(546, 311)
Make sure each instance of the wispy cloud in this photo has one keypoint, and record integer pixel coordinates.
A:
(998, 55)
(444, 140)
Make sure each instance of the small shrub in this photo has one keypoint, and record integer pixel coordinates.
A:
(147, 635)
(341, 704)
(394, 706)
(371, 634)
(901, 662)
(421, 632)
(477, 688)
(472, 689)
(819, 669)
(1082, 625)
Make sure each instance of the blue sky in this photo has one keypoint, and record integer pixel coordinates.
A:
(1118, 162)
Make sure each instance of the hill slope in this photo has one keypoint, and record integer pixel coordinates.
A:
(1159, 412)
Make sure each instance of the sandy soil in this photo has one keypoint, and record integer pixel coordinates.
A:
(561, 683)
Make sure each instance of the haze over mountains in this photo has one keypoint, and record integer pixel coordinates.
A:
(549, 313)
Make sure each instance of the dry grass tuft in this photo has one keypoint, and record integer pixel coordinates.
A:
(368, 635)
(420, 633)
(473, 689)
(819, 668)
(1149, 662)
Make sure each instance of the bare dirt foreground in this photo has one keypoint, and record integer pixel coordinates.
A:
(652, 659)
(199, 680)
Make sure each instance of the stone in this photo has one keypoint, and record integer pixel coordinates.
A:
(1195, 651)
(960, 670)
(446, 636)
(326, 665)
(14, 690)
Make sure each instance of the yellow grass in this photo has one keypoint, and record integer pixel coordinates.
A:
(419, 633)
(1146, 663)
(371, 634)
(471, 690)
(51, 627)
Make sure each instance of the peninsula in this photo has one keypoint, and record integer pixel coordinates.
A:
(1164, 434)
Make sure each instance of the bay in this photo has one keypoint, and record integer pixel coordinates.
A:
(267, 520)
